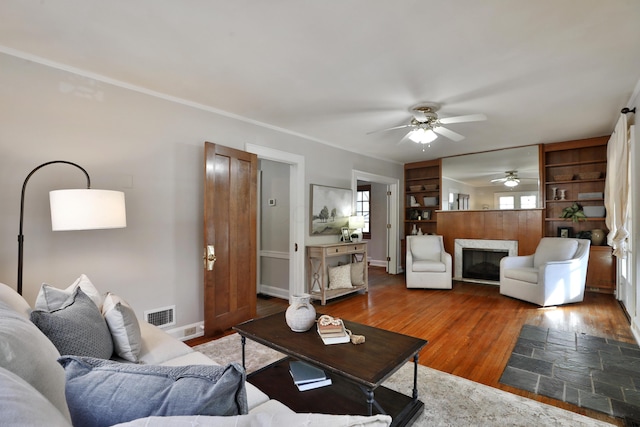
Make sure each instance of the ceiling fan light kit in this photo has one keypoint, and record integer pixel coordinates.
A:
(426, 125)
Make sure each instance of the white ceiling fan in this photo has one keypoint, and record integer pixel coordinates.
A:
(426, 125)
(510, 179)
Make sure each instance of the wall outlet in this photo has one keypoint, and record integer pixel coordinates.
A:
(190, 331)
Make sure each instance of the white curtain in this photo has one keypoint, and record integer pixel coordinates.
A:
(616, 195)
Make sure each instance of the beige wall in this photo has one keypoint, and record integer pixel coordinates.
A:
(147, 146)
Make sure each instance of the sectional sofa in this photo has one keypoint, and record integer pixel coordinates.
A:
(154, 380)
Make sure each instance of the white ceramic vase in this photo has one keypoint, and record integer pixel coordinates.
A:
(300, 315)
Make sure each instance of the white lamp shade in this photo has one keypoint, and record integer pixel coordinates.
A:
(87, 209)
(356, 222)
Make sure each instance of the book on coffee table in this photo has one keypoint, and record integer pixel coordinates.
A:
(339, 338)
(306, 376)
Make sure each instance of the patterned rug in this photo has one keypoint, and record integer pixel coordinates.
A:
(449, 400)
(587, 371)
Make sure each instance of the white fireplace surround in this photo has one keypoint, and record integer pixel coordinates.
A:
(505, 245)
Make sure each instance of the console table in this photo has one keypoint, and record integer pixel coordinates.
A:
(318, 276)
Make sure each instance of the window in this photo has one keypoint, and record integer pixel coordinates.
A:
(528, 202)
(506, 202)
(363, 207)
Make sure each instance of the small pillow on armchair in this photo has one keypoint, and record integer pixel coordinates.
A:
(340, 277)
(104, 392)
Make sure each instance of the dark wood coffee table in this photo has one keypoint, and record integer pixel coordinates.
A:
(356, 371)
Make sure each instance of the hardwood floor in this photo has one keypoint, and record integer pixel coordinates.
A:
(471, 329)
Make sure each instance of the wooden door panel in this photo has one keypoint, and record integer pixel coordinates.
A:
(230, 222)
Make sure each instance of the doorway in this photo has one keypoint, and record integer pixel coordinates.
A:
(278, 253)
(388, 238)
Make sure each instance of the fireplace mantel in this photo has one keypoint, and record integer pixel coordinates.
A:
(524, 226)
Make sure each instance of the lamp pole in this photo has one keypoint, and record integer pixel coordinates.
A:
(20, 235)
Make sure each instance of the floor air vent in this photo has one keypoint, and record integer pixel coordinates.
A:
(164, 316)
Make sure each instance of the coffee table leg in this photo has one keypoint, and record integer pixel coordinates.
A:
(415, 376)
(243, 340)
(370, 401)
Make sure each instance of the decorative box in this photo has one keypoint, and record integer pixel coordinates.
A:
(584, 196)
(593, 211)
(430, 201)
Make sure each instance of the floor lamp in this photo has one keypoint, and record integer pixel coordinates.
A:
(76, 209)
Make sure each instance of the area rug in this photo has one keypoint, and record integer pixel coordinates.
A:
(587, 371)
(449, 400)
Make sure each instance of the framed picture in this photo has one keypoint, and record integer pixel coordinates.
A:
(330, 210)
(346, 236)
(426, 215)
(565, 231)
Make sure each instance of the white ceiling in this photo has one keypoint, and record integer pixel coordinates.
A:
(331, 71)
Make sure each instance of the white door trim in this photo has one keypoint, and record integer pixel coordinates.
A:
(392, 212)
(296, 214)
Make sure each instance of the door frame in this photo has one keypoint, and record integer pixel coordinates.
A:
(297, 208)
(393, 238)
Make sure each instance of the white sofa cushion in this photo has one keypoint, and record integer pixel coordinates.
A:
(50, 298)
(22, 405)
(123, 326)
(554, 249)
(158, 346)
(26, 352)
(14, 301)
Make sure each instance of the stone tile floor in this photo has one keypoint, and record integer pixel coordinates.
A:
(587, 371)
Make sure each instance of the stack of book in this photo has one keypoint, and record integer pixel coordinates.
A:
(307, 377)
(332, 330)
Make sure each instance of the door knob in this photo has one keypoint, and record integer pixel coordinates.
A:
(209, 257)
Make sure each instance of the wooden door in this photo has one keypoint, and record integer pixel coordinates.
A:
(230, 192)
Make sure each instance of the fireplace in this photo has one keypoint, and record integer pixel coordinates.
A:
(482, 264)
(482, 259)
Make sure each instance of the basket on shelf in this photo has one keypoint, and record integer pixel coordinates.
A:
(589, 175)
(567, 177)
(431, 187)
(415, 187)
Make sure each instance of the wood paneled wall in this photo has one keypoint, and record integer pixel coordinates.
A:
(525, 226)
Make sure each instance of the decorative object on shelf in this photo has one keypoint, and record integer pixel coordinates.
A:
(430, 187)
(415, 187)
(426, 215)
(597, 237)
(594, 211)
(594, 195)
(586, 234)
(565, 231)
(563, 193)
(554, 193)
(567, 177)
(420, 233)
(300, 315)
(413, 214)
(573, 212)
(430, 201)
(414, 230)
(414, 202)
(589, 175)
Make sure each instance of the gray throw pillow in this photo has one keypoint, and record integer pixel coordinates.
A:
(103, 392)
(77, 328)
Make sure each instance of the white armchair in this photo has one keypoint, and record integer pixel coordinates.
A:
(428, 265)
(554, 275)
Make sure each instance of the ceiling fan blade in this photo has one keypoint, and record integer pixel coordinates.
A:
(393, 128)
(499, 180)
(454, 136)
(461, 119)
